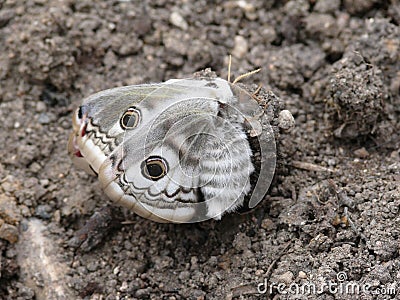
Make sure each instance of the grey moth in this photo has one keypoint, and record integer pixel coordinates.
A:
(176, 151)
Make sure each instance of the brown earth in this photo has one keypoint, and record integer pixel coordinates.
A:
(333, 213)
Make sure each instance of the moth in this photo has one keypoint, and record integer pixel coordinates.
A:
(176, 151)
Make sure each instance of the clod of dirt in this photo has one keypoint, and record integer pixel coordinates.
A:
(8, 232)
(356, 93)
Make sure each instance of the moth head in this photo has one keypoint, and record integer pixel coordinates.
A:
(79, 122)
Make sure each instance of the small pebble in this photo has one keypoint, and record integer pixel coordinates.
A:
(286, 277)
(116, 270)
(43, 211)
(41, 106)
(124, 286)
(302, 275)
(285, 120)
(177, 20)
(267, 224)
(35, 167)
(184, 275)
(241, 47)
(44, 118)
(331, 162)
(44, 182)
(143, 293)
(246, 6)
(361, 153)
(259, 272)
(327, 6)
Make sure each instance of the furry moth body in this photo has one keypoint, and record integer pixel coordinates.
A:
(176, 151)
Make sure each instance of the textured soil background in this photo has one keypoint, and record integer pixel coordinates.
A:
(333, 213)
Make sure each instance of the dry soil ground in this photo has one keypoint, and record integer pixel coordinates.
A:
(333, 213)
